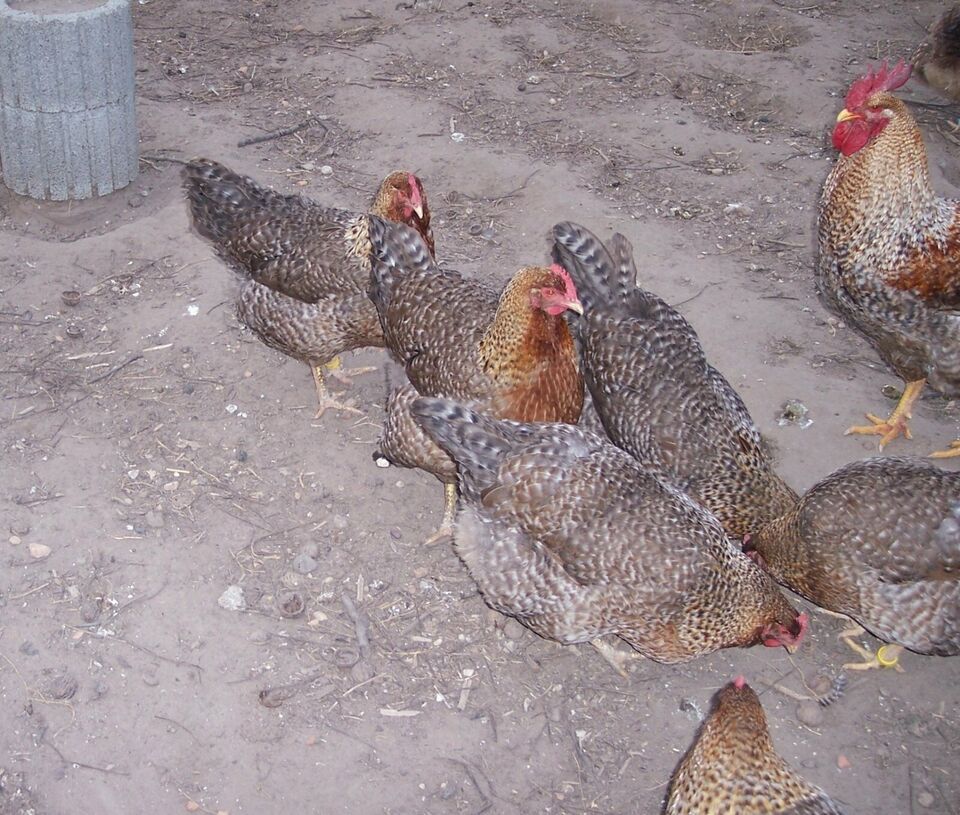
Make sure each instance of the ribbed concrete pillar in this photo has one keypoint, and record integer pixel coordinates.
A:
(67, 117)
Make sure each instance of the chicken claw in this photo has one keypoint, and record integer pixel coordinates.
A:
(325, 400)
(446, 527)
(896, 423)
(617, 658)
(886, 656)
(952, 452)
(345, 375)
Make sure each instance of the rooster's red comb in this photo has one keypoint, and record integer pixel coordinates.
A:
(879, 79)
(739, 682)
(564, 275)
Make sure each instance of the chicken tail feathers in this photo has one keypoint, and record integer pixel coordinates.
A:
(477, 443)
(395, 250)
(220, 199)
(604, 275)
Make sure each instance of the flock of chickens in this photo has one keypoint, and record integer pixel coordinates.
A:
(644, 505)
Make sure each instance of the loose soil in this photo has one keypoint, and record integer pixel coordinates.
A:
(156, 455)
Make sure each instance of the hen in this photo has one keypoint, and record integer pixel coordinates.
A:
(578, 540)
(733, 768)
(306, 267)
(878, 541)
(937, 61)
(889, 259)
(509, 354)
(657, 396)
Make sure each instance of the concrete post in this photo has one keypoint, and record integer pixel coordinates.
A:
(68, 125)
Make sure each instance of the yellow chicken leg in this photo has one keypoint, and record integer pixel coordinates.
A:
(952, 452)
(887, 656)
(896, 423)
(345, 375)
(449, 512)
(325, 400)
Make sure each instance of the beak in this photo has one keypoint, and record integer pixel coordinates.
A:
(419, 210)
(576, 305)
(845, 116)
(792, 647)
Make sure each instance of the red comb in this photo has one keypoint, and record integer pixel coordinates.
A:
(879, 79)
(740, 682)
(414, 185)
(564, 275)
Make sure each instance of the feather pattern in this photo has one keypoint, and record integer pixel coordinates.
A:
(657, 396)
(732, 767)
(459, 338)
(576, 539)
(879, 541)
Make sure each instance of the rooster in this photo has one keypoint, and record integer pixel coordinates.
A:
(306, 267)
(733, 768)
(657, 396)
(889, 259)
(878, 541)
(509, 354)
(577, 540)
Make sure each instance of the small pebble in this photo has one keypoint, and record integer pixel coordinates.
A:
(843, 763)
(232, 599)
(242, 455)
(396, 534)
(326, 169)
(925, 799)
(15, 540)
(810, 713)
(38, 551)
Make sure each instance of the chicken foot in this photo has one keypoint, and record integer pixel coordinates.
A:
(896, 423)
(951, 452)
(886, 656)
(445, 529)
(345, 375)
(325, 400)
(614, 656)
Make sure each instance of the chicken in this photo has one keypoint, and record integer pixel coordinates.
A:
(889, 247)
(937, 61)
(733, 768)
(657, 396)
(305, 267)
(510, 354)
(577, 540)
(878, 541)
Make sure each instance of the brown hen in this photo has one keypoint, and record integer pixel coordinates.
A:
(878, 541)
(733, 769)
(890, 247)
(306, 267)
(509, 353)
(937, 61)
(657, 396)
(577, 540)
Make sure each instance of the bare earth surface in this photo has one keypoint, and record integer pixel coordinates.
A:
(164, 455)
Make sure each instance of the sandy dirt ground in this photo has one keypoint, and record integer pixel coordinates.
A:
(162, 455)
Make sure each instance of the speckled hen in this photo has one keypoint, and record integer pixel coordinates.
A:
(889, 258)
(733, 769)
(306, 267)
(577, 540)
(657, 396)
(506, 353)
(879, 541)
(937, 61)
